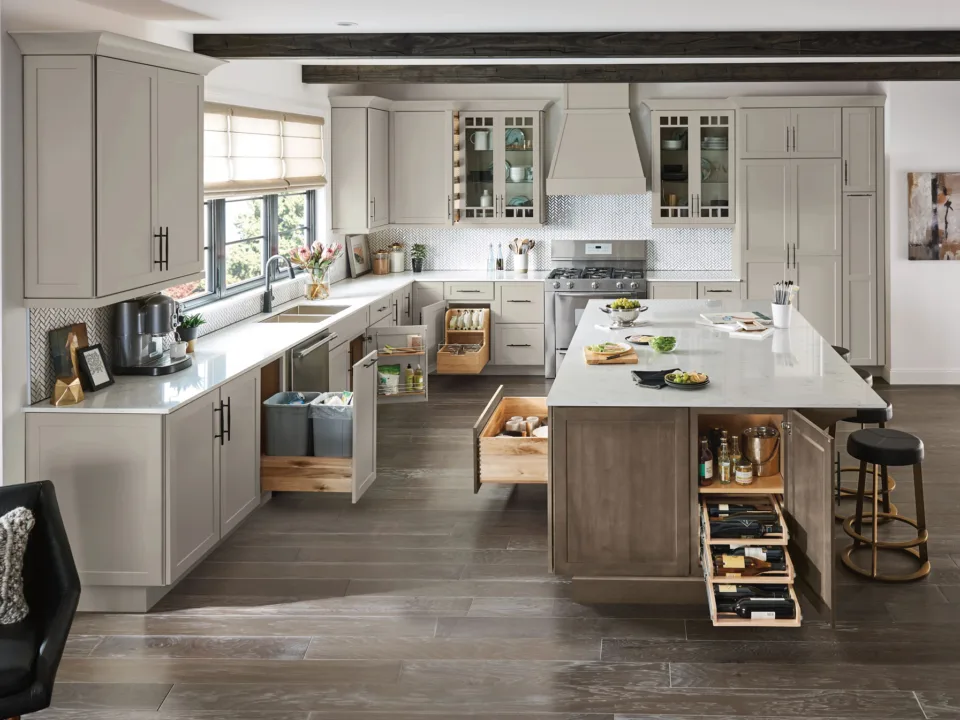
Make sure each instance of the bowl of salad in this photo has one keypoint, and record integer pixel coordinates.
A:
(625, 310)
(663, 343)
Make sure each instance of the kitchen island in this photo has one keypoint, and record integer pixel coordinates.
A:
(626, 508)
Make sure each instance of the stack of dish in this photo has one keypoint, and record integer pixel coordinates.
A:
(713, 142)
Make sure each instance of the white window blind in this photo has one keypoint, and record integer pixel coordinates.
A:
(249, 151)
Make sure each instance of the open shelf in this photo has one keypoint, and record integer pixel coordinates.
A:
(400, 393)
(383, 355)
(771, 485)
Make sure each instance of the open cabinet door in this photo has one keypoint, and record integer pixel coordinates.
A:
(809, 508)
(396, 337)
(364, 425)
(478, 428)
(433, 316)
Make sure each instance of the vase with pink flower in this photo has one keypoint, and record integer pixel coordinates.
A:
(316, 259)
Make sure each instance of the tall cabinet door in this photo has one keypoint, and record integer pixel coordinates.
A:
(521, 200)
(192, 487)
(240, 452)
(860, 149)
(714, 168)
(481, 175)
(128, 253)
(421, 168)
(860, 278)
(672, 168)
(364, 425)
(180, 172)
(821, 294)
(767, 197)
(819, 204)
(378, 167)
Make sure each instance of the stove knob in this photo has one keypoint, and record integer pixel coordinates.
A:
(619, 286)
(570, 284)
(633, 286)
(556, 285)
(594, 285)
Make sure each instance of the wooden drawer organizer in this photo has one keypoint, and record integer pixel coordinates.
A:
(509, 460)
(707, 543)
(469, 363)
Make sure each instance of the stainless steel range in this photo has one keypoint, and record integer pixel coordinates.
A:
(584, 270)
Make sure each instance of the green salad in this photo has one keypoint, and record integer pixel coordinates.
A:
(663, 343)
(624, 304)
(605, 347)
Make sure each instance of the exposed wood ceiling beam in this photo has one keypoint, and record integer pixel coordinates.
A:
(584, 45)
(685, 73)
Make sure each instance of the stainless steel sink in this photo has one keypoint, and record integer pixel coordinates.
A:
(306, 314)
(284, 318)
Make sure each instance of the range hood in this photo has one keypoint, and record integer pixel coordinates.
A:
(596, 152)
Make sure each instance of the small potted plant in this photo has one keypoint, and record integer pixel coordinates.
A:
(418, 255)
(188, 328)
(317, 259)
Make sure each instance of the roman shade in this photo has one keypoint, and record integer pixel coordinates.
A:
(248, 151)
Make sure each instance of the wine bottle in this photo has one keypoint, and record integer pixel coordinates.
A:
(740, 566)
(766, 608)
(724, 509)
(774, 553)
(727, 596)
(743, 528)
(705, 466)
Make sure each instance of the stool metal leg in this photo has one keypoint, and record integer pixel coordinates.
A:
(861, 486)
(874, 565)
(921, 511)
(885, 488)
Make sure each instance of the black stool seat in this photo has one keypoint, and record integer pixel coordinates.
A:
(883, 446)
(842, 352)
(865, 375)
(871, 416)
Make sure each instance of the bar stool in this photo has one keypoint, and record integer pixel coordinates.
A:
(883, 447)
(880, 417)
(865, 375)
(842, 352)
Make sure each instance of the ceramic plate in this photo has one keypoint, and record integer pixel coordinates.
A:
(686, 386)
(520, 201)
(706, 168)
(639, 339)
(515, 136)
(615, 349)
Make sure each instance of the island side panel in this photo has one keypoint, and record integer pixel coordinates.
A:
(621, 492)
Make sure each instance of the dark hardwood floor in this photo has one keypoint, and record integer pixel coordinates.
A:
(425, 600)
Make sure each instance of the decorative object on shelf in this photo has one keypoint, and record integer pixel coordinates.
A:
(518, 174)
(760, 445)
(358, 255)
(521, 251)
(520, 201)
(672, 145)
(706, 169)
(782, 305)
(516, 139)
(188, 328)
(418, 255)
(94, 369)
(66, 391)
(397, 258)
(932, 233)
(64, 344)
(480, 140)
(381, 262)
(317, 259)
(486, 200)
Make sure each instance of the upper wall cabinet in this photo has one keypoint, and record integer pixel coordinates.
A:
(359, 164)
(860, 149)
(694, 168)
(501, 168)
(421, 167)
(804, 132)
(113, 167)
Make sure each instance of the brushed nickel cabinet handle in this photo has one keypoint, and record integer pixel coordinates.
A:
(516, 345)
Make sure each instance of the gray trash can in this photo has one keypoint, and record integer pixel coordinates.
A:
(288, 424)
(332, 428)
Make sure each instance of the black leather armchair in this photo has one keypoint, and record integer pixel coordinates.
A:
(30, 650)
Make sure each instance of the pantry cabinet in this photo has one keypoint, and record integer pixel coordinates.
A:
(778, 132)
(360, 164)
(860, 149)
(861, 279)
(421, 167)
(113, 167)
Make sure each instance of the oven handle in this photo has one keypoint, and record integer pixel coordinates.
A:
(595, 293)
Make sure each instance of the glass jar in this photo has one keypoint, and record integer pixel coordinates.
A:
(381, 262)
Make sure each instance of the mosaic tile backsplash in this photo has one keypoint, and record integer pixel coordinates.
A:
(572, 217)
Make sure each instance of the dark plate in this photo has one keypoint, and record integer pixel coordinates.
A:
(687, 386)
(635, 342)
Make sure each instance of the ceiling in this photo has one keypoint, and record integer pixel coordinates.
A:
(321, 16)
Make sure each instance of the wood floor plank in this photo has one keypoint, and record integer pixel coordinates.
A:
(857, 632)
(502, 675)
(546, 607)
(81, 645)
(182, 646)
(362, 605)
(462, 588)
(318, 570)
(126, 696)
(301, 588)
(431, 556)
(382, 541)
(527, 648)
(258, 626)
(816, 676)
(501, 627)
(57, 713)
(940, 705)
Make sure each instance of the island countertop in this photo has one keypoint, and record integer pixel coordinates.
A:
(794, 368)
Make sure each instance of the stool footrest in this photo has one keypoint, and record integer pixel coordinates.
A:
(922, 535)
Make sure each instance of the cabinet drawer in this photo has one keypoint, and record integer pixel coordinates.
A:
(672, 290)
(708, 537)
(380, 309)
(519, 302)
(719, 290)
(518, 345)
(350, 327)
(510, 460)
(468, 291)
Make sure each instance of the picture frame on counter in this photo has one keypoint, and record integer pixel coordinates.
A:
(358, 257)
(94, 369)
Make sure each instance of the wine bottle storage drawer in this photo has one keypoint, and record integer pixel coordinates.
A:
(725, 564)
(732, 524)
(724, 616)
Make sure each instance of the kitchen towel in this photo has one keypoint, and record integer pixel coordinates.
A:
(653, 379)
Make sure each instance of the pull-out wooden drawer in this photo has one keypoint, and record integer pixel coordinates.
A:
(777, 535)
(509, 460)
(466, 351)
(468, 291)
(519, 302)
(519, 345)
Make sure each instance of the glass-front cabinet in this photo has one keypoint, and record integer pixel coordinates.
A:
(693, 168)
(502, 182)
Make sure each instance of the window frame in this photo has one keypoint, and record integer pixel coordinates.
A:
(216, 219)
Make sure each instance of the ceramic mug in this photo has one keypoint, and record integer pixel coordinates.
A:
(517, 174)
(480, 140)
(529, 177)
(178, 350)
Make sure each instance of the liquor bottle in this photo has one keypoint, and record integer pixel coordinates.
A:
(766, 608)
(734, 451)
(740, 566)
(705, 466)
(715, 441)
(724, 463)
(499, 256)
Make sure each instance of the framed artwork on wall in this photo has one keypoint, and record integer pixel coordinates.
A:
(933, 218)
(358, 255)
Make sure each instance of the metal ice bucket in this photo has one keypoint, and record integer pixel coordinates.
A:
(759, 445)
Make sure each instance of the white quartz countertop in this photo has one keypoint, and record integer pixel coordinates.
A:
(792, 369)
(232, 351)
(691, 276)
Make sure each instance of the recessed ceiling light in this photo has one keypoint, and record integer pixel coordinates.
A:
(346, 23)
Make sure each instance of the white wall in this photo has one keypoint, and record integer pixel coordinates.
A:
(921, 135)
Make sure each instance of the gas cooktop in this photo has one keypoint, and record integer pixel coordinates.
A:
(594, 273)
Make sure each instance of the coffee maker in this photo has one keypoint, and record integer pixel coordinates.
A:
(139, 327)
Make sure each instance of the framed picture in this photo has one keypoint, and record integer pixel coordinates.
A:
(933, 223)
(64, 343)
(358, 255)
(94, 369)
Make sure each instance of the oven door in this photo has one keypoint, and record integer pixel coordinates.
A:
(568, 308)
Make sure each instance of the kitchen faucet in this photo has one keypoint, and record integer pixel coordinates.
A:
(268, 293)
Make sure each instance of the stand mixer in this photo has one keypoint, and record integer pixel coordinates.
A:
(139, 327)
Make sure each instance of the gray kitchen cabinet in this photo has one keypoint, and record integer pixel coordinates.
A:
(359, 168)
(518, 344)
(861, 271)
(402, 307)
(239, 450)
(421, 167)
(364, 465)
(723, 290)
(860, 149)
(119, 140)
(759, 277)
(340, 368)
(803, 132)
(425, 293)
(819, 207)
(764, 132)
(518, 302)
(370, 341)
(821, 294)
(816, 132)
(671, 290)
(767, 209)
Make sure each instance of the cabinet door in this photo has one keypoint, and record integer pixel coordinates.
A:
(713, 160)
(421, 168)
(860, 149)
(764, 132)
(482, 176)
(58, 171)
(808, 507)
(351, 207)
(406, 306)
(673, 290)
(821, 294)
(759, 277)
(425, 293)
(128, 254)
(521, 197)
(819, 207)
(767, 209)
(672, 191)
(364, 425)
(860, 276)
(378, 167)
(340, 367)
(240, 452)
(180, 172)
(433, 318)
(816, 132)
(192, 483)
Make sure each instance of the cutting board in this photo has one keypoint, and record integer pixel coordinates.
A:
(593, 358)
